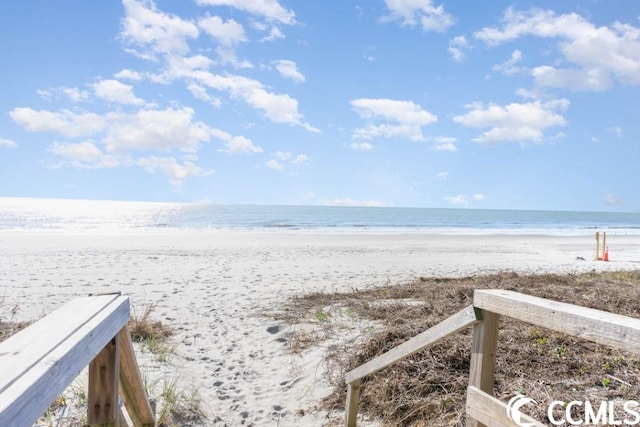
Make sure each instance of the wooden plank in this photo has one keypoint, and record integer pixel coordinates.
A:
(23, 350)
(483, 357)
(492, 412)
(122, 420)
(132, 389)
(102, 404)
(26, 398)
(353, 401)
(447, 327)
(605, 328)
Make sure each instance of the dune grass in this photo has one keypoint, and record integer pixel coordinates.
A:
(428, 388)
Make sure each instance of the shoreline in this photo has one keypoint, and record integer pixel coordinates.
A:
(331, 231)
(218, 288)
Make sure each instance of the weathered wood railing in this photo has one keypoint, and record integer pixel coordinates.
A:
(39, 362)
(483, 409)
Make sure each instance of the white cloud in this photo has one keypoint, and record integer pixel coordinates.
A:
(584, 79)
(509, 67)
(351, 202)
(145, 27)
(464, 199)
(370, 132)
(444, 143)
(268, 9)
(126, 74)
(274, 165)
(459, 200)
(365, 146)
(285, 156)
(119, 136)
(200, 93)
(599, 55)
(613, 200)
(300, 159)
(45, 93)
(457, 47)
(66, 122)
(274, 34)
(176, 172)
(239, 145)
(227, 56)
(309, 195)
(442, 176)
(83, 155)
(184, 67)
(407, 119)
(279, 108)
(423, 12)
(400, 111)
(616, 130)
(514, 122)
(114, 91)
(164, 130)
(7, 143)
(288, 69)
(228, 33)
(74, 94)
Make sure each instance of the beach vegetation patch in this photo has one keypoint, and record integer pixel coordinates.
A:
(8, 324)
(153, 336)
(429, 387)
(143, 328)
(178, 405)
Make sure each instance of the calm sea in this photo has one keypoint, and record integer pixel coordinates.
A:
(45, 214)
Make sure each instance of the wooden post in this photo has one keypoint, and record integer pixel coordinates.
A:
(134, 397)
(483, 357)
(353, 398)
(103, 407)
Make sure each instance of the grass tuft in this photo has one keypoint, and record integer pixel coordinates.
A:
(142, 328)
(178, 405)
(8, 325)
(152, 335)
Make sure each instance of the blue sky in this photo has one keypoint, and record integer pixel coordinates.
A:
(515, 105)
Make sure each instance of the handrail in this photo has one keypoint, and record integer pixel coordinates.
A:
(39, 362)
(447, 327)
(483, 409)
(450, 326)
(602, 327)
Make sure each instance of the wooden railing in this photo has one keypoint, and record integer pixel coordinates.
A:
(38, 363)
(483, 409)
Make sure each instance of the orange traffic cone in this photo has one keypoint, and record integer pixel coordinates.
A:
(606, 254)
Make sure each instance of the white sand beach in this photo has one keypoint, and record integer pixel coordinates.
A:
(215, 288)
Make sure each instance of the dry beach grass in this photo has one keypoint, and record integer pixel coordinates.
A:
(428, 388)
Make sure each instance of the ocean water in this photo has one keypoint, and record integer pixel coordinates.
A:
(50, 214)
